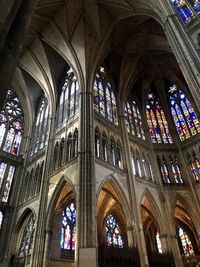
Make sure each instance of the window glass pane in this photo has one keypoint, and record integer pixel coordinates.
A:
(8, 184)
(113, 233)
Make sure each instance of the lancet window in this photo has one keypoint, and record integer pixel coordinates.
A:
(156, 120)
(187, 246)
(113, 232)
(185, 118)
(27, 237)
(69, 98)
(11, 124)
(104, 97)
(158, 242)
(6, 178)
(194, 166)
(41, 127)
(133, 119)
(68, 231)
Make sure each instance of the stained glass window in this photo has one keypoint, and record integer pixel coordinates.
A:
(69, 98)
(156, 120)
(113, 232)
(27, 237)
(194, 166)
(68, 231)
(7, 187)
(164, 171)
(6, 178)
(133, 119)
(159, 245)
(1, 218)
(104, 99)
(41, 127)
(185, 242)
(185, 118)
(11, 124)
(184, 9)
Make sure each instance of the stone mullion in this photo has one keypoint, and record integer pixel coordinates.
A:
(135, 211)
(186, 55)
(86, 196)
(38, 255)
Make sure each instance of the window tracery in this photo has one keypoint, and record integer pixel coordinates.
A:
(113, 232)
(69, 98)
(11, 124)
(156, 121)
(184, 116)
(133, 119)
(104, 98)
(68, 231)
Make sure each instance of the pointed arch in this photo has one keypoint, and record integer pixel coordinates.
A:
(112, 200)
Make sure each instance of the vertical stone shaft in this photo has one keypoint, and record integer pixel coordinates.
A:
(11, 51)
(41, 220)
(140, 241)
(86, 206)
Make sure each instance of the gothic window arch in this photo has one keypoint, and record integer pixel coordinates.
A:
(185, 242)
(184, 116)
(27, 236)
(104, 97)
(11, 124)
(133, 119)
(69, 98)
(68, 230)
(97, 142)
(104, 147)
(41, 127)
(156, 120)
(113, 232)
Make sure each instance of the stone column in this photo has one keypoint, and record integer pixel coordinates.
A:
(11, 51)
(135, 209)
(185, 53)
(41, 220)
(86, 254)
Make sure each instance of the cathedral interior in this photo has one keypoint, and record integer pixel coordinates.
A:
(100, 133)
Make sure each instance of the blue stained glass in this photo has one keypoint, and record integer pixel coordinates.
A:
(68, 231)
(104, 101)
(183, 10)
(113, 235)
(185, 119)
(156, 120)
